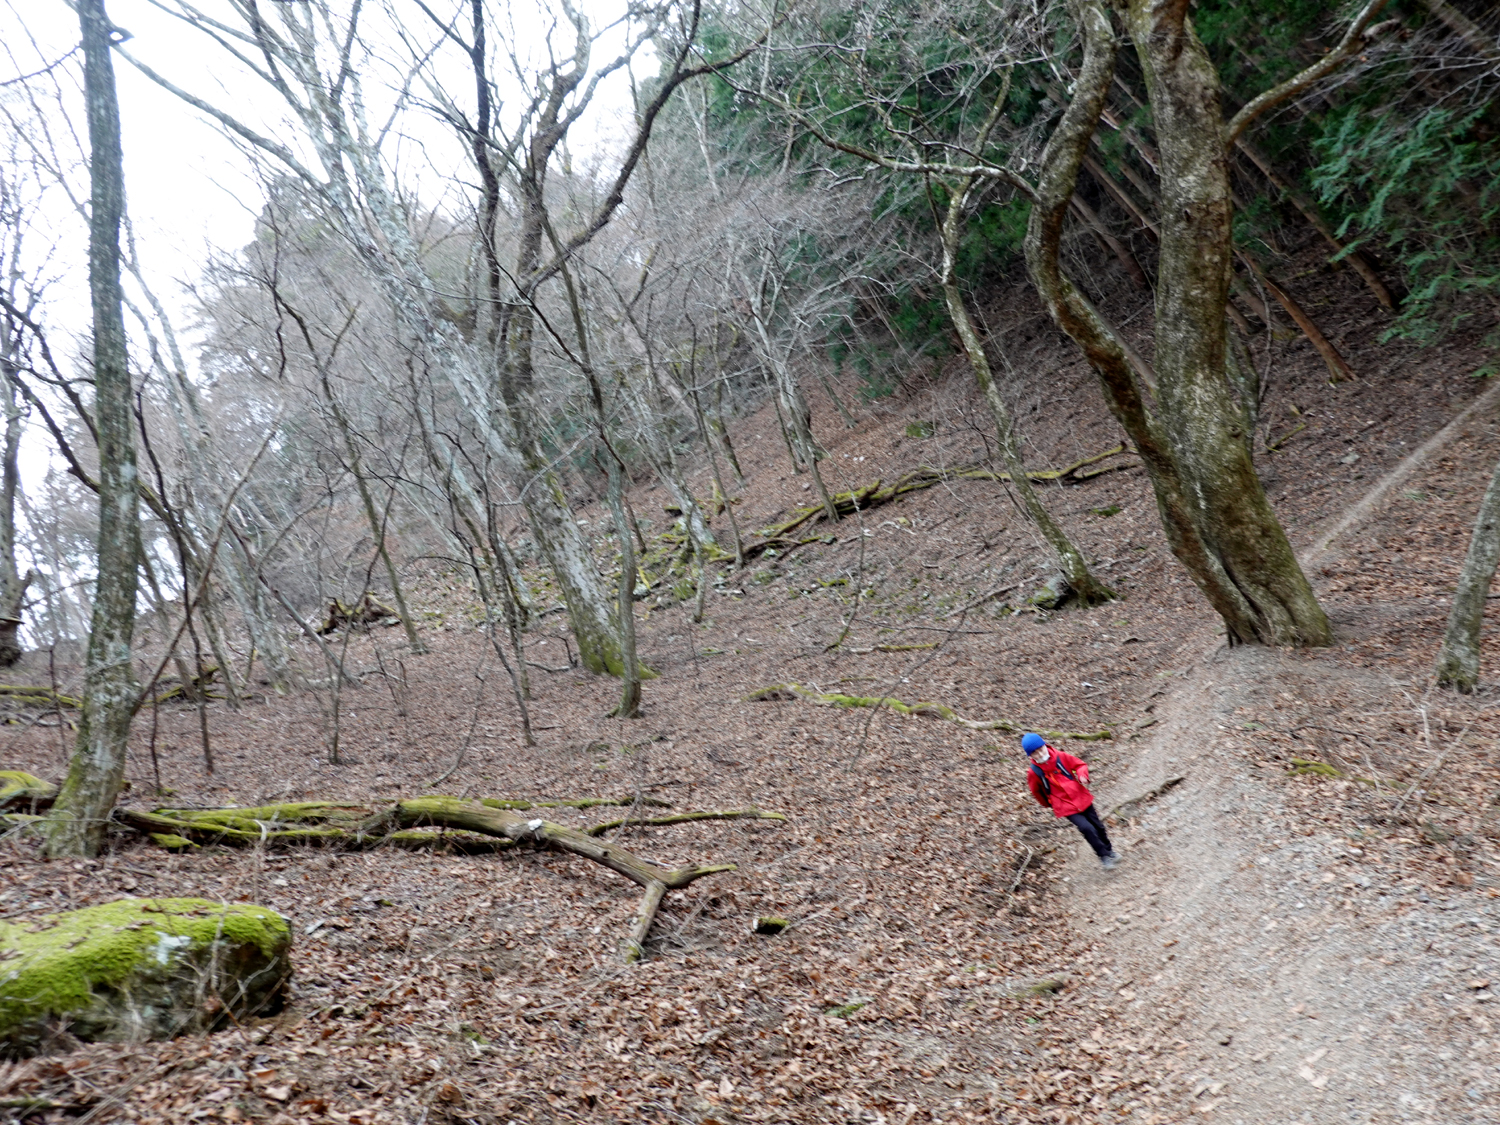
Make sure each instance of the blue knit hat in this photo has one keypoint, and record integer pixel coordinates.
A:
(1031, 743)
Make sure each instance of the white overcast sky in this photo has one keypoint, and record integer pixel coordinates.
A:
(189, 189)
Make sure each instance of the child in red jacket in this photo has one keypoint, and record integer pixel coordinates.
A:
(1058, 782)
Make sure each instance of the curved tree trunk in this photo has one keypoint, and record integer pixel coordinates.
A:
(1195, 446)
(1458, 661)
(1090, 590)
(109, 694)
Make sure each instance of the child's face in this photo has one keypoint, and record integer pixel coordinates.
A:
(1042, 755)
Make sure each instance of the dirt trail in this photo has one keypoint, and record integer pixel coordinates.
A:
(1285, 975)
(1306, 988)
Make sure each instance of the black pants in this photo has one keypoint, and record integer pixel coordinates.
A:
(1092, 827)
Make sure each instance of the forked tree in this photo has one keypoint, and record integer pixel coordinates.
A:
(1184, 417)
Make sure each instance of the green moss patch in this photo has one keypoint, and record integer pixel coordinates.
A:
(21, 790)
(137, 969)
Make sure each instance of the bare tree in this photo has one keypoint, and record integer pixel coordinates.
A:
(76, 825)
(311, 56)
(18, 298)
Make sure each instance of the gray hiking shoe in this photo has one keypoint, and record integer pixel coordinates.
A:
(1110, 860)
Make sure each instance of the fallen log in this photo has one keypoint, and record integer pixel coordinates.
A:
(874, 494)
(30, 695)
(932, 710)
(470, 826)
(361, 615)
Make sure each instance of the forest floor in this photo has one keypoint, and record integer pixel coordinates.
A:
(1303, 929)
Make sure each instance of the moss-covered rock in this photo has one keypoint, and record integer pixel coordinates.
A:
(1053, 594)
(23, 790)
(137, 969)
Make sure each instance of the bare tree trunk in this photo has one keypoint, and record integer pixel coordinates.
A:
(13, 584)
(630, 671)
(1458, 660)
(1339, 370)
(97, 771)
(713, 464)
(721, 431)
(1112, 244)
(376, 520)
(1090, 590)
(1483, 44)
(1356, 258)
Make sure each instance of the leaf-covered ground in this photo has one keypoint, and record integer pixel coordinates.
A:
(951, 957)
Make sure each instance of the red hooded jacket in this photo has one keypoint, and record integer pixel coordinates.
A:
(1068, 795)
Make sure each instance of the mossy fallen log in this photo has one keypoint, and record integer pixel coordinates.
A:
(931, 710)
(195, 687)
(671, 551)
(34, 695)
(305, 822)
(476, 827)
(361, 615)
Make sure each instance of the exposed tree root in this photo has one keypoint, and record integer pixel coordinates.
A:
(935, 710)
(1126, 809)
(470, 827)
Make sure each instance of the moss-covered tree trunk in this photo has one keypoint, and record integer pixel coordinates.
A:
(1195, 445)
(109, 695)
(1458, 660)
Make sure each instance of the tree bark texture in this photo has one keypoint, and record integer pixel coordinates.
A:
(109, 696)
(1277, 605)
(1195, 446)
(1458, 660)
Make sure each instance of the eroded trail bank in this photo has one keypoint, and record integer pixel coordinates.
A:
(1301, 941)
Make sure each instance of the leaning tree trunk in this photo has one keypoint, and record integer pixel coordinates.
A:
(1458, 661)
(109, 694)
(1215, 512)
(1090, 590)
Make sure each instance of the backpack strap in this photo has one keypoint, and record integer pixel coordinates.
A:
(1042, 777)
(1046, 785)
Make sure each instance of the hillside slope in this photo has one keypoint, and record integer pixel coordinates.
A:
(929, 897)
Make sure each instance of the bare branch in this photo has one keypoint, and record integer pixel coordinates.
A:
(1353, 41)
